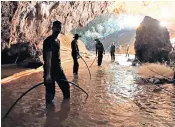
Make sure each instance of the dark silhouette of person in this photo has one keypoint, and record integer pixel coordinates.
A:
(52, 65)
(99, 51)
(127, 50)
(75, 53)
(55, 119)
(112, 52)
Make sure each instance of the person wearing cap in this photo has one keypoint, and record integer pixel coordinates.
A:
(100, 51)
(75, 54)
(52, 65)
(112, 51)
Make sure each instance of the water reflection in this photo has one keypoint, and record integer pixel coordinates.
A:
(121, 82)
(56, 118)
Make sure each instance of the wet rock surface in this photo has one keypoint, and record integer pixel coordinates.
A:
(114, 100)
(152, 41)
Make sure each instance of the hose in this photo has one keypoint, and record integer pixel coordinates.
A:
(35, 87)
(86, 66)
(93, 61)
(20, 98)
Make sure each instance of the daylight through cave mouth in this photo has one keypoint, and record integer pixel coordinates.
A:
(109, 27)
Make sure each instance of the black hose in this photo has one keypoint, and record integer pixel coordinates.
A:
(75, 85)
(20, 98)
(93, 61)
(86, 66)
(35, 87)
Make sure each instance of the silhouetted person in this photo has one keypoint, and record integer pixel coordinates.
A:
(75, 54)
(52, 65)
(100, 51)
(127, 51)
(112, 52)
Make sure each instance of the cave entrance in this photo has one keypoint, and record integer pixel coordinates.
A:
(108, 28)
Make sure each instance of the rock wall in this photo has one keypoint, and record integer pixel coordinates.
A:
(7, 13)
(152, 41)
(33, 20)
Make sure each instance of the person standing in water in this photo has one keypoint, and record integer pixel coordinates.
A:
(127, 50)
(112, 52)
(100, 51)
(75, 54)
(52, 65)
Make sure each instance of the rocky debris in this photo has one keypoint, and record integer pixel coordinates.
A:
(152, 41)
(154, 80)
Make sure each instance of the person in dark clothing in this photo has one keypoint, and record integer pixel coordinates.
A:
(127, 50)
(75, 53)
(52, 65)
(100, 51)
(112, 51)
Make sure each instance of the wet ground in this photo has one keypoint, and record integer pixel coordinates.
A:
(114, 100)
(8, 70)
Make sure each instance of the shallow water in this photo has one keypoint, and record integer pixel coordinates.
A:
(9, 70)
(115, 100)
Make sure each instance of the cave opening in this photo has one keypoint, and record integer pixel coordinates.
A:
(108, 28)
(117, 28)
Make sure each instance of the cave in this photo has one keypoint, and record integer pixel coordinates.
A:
(113, 94)
(109, 21)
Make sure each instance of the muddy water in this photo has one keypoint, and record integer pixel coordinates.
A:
(115, 100)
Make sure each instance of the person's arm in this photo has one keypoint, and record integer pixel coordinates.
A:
(96, 49)
(77, 49)
(47, 56)
(58, 51)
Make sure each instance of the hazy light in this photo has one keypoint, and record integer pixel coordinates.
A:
(165, 12)
(164, 24)
(130, 21)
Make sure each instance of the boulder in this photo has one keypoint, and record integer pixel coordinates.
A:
(152, 41)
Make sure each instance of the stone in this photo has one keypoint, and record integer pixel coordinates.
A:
(152, 41)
